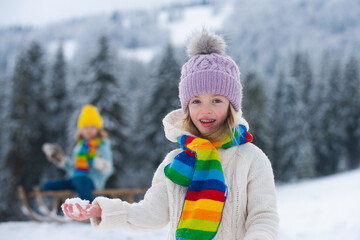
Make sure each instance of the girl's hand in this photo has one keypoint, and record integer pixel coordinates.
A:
(91, 211)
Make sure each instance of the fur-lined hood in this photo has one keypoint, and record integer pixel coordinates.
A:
(173, 124)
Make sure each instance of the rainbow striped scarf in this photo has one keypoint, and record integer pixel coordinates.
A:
(85, 156)
(198, 167)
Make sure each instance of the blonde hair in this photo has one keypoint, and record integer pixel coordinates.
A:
(101, 134)
(225, 128)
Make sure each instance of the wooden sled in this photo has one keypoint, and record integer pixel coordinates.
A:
(26, 209)
(58, 197)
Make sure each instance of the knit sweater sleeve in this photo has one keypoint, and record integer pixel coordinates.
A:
(150, 213)
(262, 219)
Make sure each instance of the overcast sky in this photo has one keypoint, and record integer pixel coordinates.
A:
(43, 12)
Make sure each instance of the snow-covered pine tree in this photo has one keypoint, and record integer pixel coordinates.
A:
(58, 107)
(27, 124)
(137, 77)
(277, 130)
(28, 116)
(319, 133)
(286, 140)
(37, 115)
(330, 127)
(351, 117)
(285, 130)
(7, 182)
(2, 114)
(254, 107)
(165, 98)
(162, 97)
(103, 88)
(302, 75)
(17, 118)
(5, 93)
(58, 104)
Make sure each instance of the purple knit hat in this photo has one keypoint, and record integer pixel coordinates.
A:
(209, 70)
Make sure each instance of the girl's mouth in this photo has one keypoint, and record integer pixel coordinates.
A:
(207, 122)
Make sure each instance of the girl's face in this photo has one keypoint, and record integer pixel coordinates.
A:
(208, 112)
(89, 132)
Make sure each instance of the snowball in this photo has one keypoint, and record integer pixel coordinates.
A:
(73, 201)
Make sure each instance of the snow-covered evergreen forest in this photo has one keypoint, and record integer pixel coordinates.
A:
(299, 63)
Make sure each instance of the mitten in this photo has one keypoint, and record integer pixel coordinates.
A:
(54, 154)
(100, 163)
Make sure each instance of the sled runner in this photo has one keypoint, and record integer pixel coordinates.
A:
(43, 212)
(26, 209)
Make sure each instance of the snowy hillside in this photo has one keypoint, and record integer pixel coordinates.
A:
(137, 33)
(323, 209)
(259, 31)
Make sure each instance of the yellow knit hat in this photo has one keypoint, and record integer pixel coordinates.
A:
(89, 116)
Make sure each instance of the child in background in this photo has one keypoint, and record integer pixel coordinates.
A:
(92, 162)
(218, 185)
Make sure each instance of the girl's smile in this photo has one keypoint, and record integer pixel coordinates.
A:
(207, 122)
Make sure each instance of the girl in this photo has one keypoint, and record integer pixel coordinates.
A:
(218, 185)
(92, 157)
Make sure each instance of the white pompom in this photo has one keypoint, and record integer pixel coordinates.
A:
(206, 43)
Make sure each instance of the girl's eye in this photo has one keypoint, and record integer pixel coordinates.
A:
(217, 101)
(195, 101)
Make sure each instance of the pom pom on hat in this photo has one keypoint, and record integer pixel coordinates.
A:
(206, 43)
(209, 70)
(89, 116)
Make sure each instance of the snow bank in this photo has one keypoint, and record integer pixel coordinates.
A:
(70, 231)
(326, 208)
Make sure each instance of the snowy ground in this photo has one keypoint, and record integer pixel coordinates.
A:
(323, 209)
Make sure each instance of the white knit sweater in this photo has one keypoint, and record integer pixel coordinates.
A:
(250, 210)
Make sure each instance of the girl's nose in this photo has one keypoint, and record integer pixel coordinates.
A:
(206, 110)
